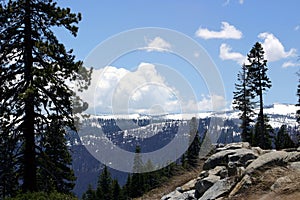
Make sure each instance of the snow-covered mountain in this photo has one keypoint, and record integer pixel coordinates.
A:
(154, 132)
(285, 111)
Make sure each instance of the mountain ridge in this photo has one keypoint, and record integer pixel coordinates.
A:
(275, 108)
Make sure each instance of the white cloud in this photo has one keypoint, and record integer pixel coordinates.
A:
(145, 91)
(100, 91)
(297, 28)
(227, 54)
(157, 44)
(274, 50)
(212, 103)
(143, 88)
(227, 32)
(290, 64)
(207, 103)
(228, 1)
(117, 90)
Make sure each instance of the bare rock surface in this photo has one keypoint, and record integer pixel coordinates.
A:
(236, 169)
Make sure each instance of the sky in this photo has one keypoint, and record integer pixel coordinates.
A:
(167, 75)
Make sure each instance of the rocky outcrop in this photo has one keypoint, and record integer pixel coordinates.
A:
(230, 169)
(188, 186)
(176, 195)
(218, 189)
(271, 158)
(204, 184)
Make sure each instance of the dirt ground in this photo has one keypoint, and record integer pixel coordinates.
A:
(260, 190)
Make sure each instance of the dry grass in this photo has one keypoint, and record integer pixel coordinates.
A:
(172, 184)
(260, 190)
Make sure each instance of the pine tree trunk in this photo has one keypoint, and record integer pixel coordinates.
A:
(29, 183)
(261, 114)
(245, 123)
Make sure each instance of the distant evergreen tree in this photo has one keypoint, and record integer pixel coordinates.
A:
(183, 160)
(151, 176)
(116, 190)
(267, 133)
(90, 194)
(138, 164)
(126, 190)
(169, 170)
(259, 83)
(137, 186)
(107, 189)
(148, 167)
(283, 140)
(192, 155)
(104, 188)
(34, 68)
(242, 101)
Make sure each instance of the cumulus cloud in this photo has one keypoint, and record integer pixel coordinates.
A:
(103, 81)
(118, 91)
(145, 91)
(227, 32)
(227, 54)
(157, 44)
(274, 50)
(290, 64)
(207, 103)
(142, 89)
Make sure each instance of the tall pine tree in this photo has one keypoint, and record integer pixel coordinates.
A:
(260, 82)
(192, 154)
(242, 100)
(298, 104)
(34, 68)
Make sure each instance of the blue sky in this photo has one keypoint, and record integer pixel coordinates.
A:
(226, 29)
